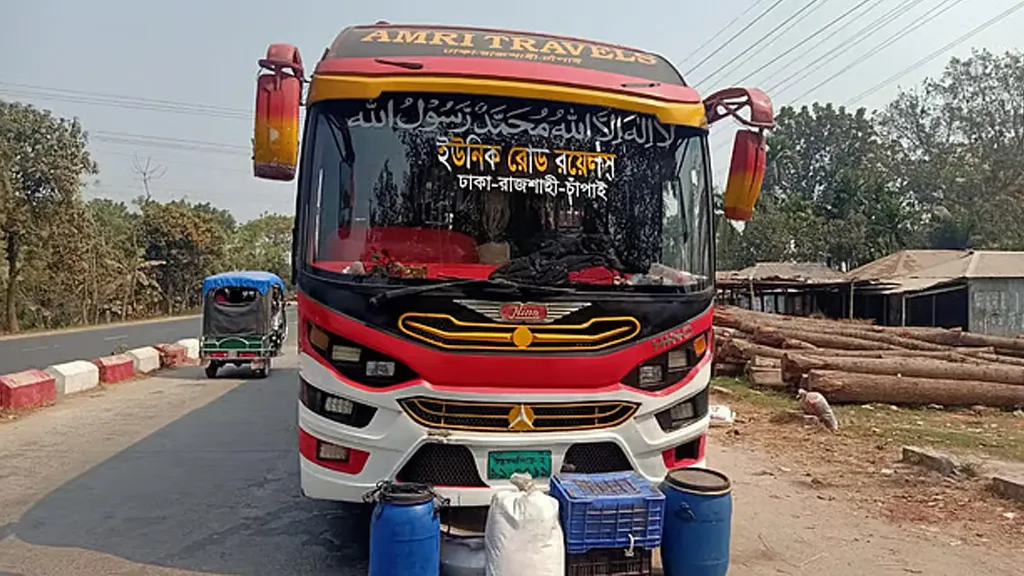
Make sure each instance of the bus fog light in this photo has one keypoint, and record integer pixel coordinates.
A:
(338, 405)
(682, 411)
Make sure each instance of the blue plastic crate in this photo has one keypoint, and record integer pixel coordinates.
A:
(604, 510)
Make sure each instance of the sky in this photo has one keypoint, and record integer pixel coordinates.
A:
(95, 60)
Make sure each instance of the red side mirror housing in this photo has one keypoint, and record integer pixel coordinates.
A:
(746, 175)
(747, 169)
(278, 97)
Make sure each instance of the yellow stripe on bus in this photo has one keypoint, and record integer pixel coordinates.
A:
(333, 87)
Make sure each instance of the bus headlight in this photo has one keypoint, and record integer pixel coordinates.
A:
(356, 362)
(669, 367)
(683, 413)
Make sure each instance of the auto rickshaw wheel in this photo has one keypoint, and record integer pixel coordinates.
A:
(211, 369)
(265, 370)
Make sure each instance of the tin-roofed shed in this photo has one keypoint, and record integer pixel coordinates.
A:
(796, 288)
(980, 291)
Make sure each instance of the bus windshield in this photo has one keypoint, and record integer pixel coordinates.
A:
(414, 188)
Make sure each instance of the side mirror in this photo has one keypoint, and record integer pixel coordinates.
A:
(278, 97)
(746, 171)
(746, 175)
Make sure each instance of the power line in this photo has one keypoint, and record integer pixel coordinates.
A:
(165, 160)
(821, 42)
(123, 101)
(721, 31)
(792, 20)
(161, 142)
(916, 65)
(736, 35)
(165, 139)
(834, 21)
(981, 28)
(935, 12)
(167, 146)
(860, 36)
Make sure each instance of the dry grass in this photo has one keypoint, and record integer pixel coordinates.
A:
(861, 462)
(987, 434)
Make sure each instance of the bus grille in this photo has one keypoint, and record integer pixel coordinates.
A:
(512, 417)
(442, 465)
(595, 458)
(453, 465)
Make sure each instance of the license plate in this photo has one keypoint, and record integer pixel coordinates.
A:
(502, 465)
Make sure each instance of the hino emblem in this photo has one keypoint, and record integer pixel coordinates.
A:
(523, 312)
(520, 312)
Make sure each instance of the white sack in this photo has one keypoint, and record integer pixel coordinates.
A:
(523, 535)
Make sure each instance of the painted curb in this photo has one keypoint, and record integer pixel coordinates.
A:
(114, 369)
(191, 346)
(145, 359)
(27, 389)
(171, 355)
(73, 377)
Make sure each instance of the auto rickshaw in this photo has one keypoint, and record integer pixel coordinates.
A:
(244, 321)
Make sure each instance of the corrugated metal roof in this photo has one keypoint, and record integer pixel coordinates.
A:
(912, 285)
(902, 264)
(965, 264)
(979, 264)
(785, 272)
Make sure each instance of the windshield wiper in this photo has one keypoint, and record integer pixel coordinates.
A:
(468, 282)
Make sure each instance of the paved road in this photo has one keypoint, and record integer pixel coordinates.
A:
(18, 354)
(170, 475)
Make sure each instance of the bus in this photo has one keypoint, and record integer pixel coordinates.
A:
(504, 254)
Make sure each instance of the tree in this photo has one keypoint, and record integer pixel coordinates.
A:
(146, 172)
(958, 140)
(263, 244)
(189, 242)
(44, 161)
(828, 194)
(124, 267)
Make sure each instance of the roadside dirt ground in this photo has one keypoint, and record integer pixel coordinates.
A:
(810, 502)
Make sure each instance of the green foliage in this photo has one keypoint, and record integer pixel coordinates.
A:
(44, 160)
(68, 261)
(939, 167)
(263, 244)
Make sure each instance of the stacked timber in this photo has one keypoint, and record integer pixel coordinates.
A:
(851, 362)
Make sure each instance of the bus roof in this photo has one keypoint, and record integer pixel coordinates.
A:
(450, 50)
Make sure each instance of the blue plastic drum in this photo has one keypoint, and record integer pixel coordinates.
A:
(698, 523)
(405, 532)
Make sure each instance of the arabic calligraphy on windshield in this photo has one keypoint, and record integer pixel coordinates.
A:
(464, 118)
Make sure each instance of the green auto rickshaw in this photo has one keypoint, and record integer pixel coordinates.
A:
(244, 321)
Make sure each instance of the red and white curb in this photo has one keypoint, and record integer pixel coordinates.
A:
(35, 388)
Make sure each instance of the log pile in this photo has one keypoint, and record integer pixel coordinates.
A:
(853, 362)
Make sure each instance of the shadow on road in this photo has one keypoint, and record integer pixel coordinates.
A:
(215, 491)
(197, 373)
